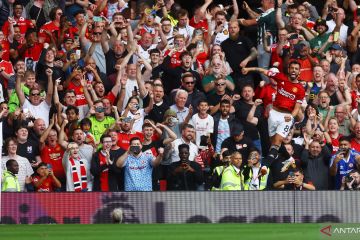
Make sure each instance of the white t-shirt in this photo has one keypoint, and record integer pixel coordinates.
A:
(139, 119)
(129, 88)
(187, 31)
(174, 157)
(343, 30)
(222, 36)
(40, 111)
(202, 126)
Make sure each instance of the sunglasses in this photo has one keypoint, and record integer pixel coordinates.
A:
(96, 33)
(189, 83)
(219, 84)
(35, 94)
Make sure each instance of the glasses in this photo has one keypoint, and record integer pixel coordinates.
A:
(35, 94)
(219, 84)
(189, 83)
(96, 33)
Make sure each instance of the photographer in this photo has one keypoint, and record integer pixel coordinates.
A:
(138, 166)
(218, 171)
(351, 181)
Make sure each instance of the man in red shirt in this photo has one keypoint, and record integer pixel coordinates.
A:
(45, 180)
(126, 133)
(23, 23)
(30, 48)
(289, 96)
(52, 153)
(174, 54)
(6, 68)
(52, 26)
(355, 141)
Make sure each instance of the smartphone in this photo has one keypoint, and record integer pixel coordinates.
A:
(49, 166)
(336, 36)
(136, 90)
(291, 174)
(200, 46)
(97, 19)
(78, 54)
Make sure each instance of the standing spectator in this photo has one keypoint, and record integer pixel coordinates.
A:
(99, 122)
(202, 121)
(138, 166)
(315, 160)
(160, 105)
(25, 170)
(52, 153)
(232, 177)
(44, 179)
(344, 161)
(26, 147)
(187, 137)
(238, 142)
(221, 93)
(37, 107)
(255, 174)
(78, 177)
(239, 52)
(182, 112)
(184, 174)
(9, 180)
(103, 167)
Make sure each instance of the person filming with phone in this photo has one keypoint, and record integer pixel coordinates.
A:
(295, 181)
(344, 161)
(138, 166)
(351, 181)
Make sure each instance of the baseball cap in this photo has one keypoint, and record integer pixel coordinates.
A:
(170, 112)
(336, 46)
(237, 129)
(321, 22)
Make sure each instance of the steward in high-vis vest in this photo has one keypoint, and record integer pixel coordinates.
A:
(232, 178)
(218, 171)
(9, 180)
(255, 175)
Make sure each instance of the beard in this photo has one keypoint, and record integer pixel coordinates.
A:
(234, 36)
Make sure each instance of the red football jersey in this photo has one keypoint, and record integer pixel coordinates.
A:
(53, 156)
(288, 93)
(79, 93)
(51, 27)
(124, 139)
(23, 23)
(46, 186)
(175, 59)
(354, 96)
(355, 144)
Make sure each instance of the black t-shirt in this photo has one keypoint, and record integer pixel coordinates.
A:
(157, 113)
(214, 99)
(38, 15)
(236, 51)
(114, 155)
(29, 150)
(111, 59)
(242, 110)
(243, 146)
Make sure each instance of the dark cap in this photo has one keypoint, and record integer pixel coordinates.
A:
(237, 129)
(321, 22)
(336, 46)
(293, 36)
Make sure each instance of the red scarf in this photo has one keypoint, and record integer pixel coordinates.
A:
(79, 183)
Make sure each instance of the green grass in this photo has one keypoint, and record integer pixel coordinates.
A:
(163, 231)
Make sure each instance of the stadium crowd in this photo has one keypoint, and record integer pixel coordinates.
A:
(118, 95)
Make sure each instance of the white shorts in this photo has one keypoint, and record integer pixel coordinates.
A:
(277, 124)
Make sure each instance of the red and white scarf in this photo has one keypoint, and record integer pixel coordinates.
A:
(79, 183)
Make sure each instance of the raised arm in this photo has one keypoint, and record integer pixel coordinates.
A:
(250, 117)
(50, 88)
(46, 133)
(278, 15)
(159, 157)
(63, 143)
(120, 162)
(18, 89)
(140, 82)
(235, 9)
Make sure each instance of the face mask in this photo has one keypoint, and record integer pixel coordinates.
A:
(135, 149)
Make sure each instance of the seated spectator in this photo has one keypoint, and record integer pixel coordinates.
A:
(295, 181)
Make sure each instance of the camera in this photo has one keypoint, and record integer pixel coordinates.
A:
(348, 178)
(204, 140)
(99, 109)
